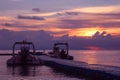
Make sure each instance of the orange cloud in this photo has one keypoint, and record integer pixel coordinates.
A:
(5, 18)
(76, 22)
(99, 9)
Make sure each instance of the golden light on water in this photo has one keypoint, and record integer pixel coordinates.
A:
(90, 57)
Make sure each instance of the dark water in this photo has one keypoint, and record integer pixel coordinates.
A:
(30, 73)
(47, 73)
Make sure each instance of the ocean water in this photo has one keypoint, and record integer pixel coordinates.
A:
(30, 72)
(42, 72)
(103, 57)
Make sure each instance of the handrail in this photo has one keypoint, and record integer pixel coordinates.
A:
(24, 43)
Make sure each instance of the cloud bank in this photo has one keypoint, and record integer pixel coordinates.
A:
(43, 40)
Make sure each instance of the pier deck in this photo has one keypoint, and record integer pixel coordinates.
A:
(95, 71)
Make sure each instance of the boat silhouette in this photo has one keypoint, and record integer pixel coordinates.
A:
(24, 57)
(63, 54)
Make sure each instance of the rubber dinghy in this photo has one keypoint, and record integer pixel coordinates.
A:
(63, 54)
(24, 56)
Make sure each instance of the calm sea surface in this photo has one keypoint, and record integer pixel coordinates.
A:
(105, 57)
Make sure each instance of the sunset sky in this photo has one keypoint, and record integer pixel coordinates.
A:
(60, 17)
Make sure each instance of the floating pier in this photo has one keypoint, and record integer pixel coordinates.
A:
(92, 71)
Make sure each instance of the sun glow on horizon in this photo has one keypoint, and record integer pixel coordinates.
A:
(89, 32)
(85, 32)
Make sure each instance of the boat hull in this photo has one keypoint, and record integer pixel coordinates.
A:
(30, 60)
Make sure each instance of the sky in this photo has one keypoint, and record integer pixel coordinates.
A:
(75, 18)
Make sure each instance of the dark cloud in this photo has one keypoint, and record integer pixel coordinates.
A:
(109, 24)
(36, 10)
(105, 41)
(41, 39)
(30, 17)
(14, 24)
(69, 13)
(60, 14)
(86, 20)
(44, 40)
(8, 24)
(76, 23)
(72, 13)
(17, 24)
(99, 35)
(21, 25)
(113, 15)
(83, 43)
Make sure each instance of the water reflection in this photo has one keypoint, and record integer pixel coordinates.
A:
(90, 57)
(22, 70)
(39, 73)
(104, 57)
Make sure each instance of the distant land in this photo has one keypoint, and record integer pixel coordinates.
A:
(44, 40)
